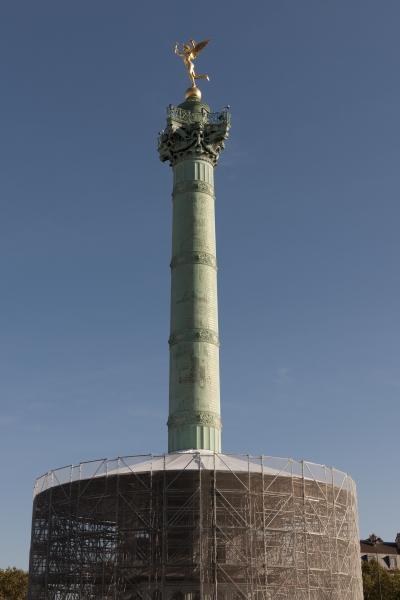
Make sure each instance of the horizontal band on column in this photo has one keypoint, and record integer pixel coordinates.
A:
(207, 419)
(194, 335)
(188, 258)
(193, 186)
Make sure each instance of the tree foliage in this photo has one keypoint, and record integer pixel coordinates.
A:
(13, 584)
(378, 583)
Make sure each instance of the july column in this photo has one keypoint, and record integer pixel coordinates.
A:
(192, 142)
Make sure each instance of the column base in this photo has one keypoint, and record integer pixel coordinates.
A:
(194, 437)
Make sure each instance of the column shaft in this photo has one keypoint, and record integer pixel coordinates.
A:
(194, 397)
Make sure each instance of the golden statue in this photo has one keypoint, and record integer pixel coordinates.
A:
(188, 52)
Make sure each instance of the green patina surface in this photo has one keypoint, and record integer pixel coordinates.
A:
(192, 142)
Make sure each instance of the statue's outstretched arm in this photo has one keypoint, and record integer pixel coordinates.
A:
(176, 50)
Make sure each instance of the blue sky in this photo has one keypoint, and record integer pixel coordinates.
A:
(307, 225)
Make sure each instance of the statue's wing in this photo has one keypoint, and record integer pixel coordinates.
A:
(199, 47)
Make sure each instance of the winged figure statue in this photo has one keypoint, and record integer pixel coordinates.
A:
(188, 52)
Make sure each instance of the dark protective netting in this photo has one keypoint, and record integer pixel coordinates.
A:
(191, 526)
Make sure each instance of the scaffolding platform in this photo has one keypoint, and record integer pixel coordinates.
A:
(195, 525)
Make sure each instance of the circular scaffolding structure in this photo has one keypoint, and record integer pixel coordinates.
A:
(195, 526)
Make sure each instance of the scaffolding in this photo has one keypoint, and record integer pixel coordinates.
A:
(195, 526)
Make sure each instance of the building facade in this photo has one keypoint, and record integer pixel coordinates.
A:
(386, 554)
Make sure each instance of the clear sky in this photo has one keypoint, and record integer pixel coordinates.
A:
(307, 222)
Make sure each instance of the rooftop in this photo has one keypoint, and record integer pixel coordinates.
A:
(375, 545)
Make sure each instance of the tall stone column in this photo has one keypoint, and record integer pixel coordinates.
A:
(192, 142)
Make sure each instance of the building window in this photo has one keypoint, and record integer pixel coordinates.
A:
(390, 561)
